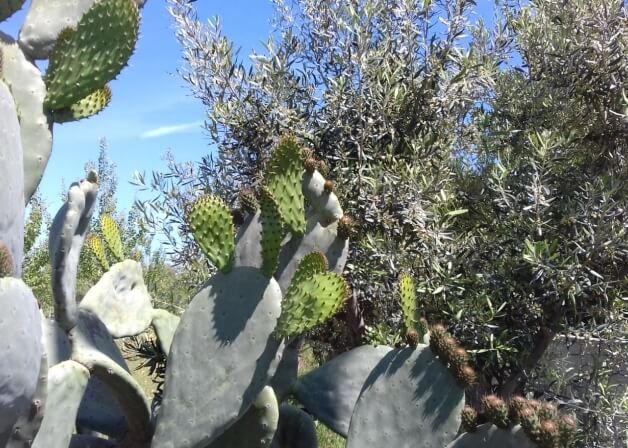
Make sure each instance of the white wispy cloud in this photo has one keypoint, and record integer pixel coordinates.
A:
(169, 130)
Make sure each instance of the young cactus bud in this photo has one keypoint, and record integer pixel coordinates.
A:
(328, 187)
(547, 411)
(437, 334)
(248, 201)
(423, 326)
(529, 421)
(447, 347)
(567, 427)
(549, 435)
(6, 261)
(469, 419)
(412, 338)
(346, 227)
(459, 357)
(496, 410)
(515, 406)
(310, 164)
(322, 168)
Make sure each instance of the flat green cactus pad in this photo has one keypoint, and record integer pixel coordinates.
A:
(111, 232)
(28, 90)
(9, 7)
(86, 58)
(66, 383)
(283, 179)
(210, 220)
(272, 232)
(490, 436)
(296, 429)
(87, 107)
(120, 300)
(256, 428)
(287, 371)
(407, 298)
(164, 324)
(331, 391)
(223, 347)
(310, 301)
(97, 247)
(20, 351)
(409, 396)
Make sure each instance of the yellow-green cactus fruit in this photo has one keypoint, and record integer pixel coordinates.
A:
(272, 232)
(87, 107)
(111, 232)
(283, 177)
(210, 220)
(86, 58)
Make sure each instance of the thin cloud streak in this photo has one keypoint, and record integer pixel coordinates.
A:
(169, 130)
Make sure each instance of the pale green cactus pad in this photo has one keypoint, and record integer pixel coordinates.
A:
(20, 351)
(111, 233)
(164, 324)
(407, 298)
(210, 220)
(325, 206)
(256, 428)
(272, 232)
(296, 429)
(89, 106)
(120, 300)
(12, 175)
(248, 247)
(331, 391)
(44, 21)
(309, 301)
(232, 319)
(287, 371)
(66, 383)
(86, 58)
(28, 424)
(28, 90)
(67, 235)
(9, 7)
(490, 436)
(409, 396)
(283, 177)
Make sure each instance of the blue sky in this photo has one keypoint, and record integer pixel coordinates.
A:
(151, 109)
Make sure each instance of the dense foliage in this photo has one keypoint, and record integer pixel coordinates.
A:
(489, 161)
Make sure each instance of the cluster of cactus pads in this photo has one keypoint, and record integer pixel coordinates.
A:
(232, 356)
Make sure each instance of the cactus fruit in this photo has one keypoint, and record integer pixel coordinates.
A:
(328, 186)
(490, 436)
(469, 419)
(283, 179)
(412, 338)
(346, 227)
(91, 105)
(465, 375)
(529, 421)
(548, 436)
(6, 261)
(272, 232)
(84, 59)
(496, 411)
(547, 411)
(209, 219)
(567, 427)
(311, 164)
(248, 202)
(515, 405)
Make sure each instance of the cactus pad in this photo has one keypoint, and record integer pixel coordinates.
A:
(120, 300)
(272, 232)
(12, 175)
(86, 58)
(97, 247)
(67, 234)
(310, 301)
(28, 90)
(89, 106)
(256, 428)
(66, 383)
(296, 429)
(209, 219)
(20, 352)
(231, 320)
(164, 324)
(282, 177)
(325, 206)
(111, 233)
(331, 391)
(407, 298)
(408, 396)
